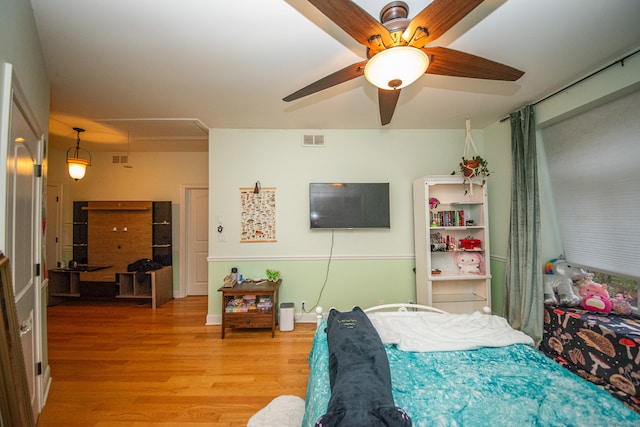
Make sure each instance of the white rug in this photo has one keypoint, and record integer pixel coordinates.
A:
(283, 411)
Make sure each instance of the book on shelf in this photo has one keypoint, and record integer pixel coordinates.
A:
(449, 218)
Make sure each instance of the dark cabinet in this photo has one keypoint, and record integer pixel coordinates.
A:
(161, 232)
(80, 232)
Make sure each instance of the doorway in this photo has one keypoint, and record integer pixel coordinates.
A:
(53, 232)
(196, 244)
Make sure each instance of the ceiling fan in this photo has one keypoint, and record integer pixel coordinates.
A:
(397, 52)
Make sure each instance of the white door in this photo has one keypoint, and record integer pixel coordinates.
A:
(197, 227)
(23, 232)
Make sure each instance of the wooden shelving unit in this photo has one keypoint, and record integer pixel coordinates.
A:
(440, 282)
(157, 285)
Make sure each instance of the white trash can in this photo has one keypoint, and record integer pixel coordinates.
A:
(286, 316)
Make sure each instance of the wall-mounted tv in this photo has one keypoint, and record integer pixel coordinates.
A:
(349, 205)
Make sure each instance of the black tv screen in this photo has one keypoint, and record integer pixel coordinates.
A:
(349, 205)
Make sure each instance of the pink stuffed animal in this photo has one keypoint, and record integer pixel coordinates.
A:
(469, 262)
(595, 297)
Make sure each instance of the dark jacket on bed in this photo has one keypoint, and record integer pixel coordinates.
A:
(359, 375)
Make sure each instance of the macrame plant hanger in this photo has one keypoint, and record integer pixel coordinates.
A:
(468, 146)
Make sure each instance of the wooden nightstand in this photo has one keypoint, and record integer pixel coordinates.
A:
(255, 316)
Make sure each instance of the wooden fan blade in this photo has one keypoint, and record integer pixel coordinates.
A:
(449, 62)
(356, 22)
(387, 100)
(341, 76)
(437, 18)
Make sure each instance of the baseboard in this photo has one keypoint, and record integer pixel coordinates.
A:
(306, 318)
(213, 319)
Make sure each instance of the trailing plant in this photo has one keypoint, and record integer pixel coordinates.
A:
(473, 167)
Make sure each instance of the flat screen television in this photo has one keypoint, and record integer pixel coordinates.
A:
(349, 205)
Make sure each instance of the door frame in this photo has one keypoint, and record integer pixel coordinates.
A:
(57, 226)
(184, 189)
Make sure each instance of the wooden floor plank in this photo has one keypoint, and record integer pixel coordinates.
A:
(122, 364)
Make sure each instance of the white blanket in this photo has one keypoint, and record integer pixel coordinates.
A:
(424, 332)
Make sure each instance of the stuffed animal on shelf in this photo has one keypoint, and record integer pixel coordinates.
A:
(469, 262)
(560, 281)
(621, 305)
(595, 296)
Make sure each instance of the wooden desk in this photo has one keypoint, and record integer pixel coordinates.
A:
(65, 282)
(255, 318)
(156, 286)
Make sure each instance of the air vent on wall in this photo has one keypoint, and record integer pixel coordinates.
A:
(313, 141)
(120, 159)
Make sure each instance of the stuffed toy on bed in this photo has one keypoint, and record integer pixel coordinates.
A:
(359, 375)
(560, 281)
(595, 296)
(620, 305)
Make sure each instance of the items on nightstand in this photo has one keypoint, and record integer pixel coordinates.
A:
(229, 281)
(273, 275)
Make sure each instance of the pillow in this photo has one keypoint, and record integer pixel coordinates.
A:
(359, 375)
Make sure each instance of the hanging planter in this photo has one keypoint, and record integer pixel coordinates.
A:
(469, 167)
(474, 166)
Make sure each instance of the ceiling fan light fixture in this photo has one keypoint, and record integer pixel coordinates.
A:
(396, 67)
(76, 163)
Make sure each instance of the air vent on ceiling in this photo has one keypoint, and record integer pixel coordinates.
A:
(313, 141)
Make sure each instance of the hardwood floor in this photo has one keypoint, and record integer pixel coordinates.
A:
(121, 364)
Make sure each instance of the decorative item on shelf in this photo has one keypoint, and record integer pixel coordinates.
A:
(469, 263)
(77, 164)
(273, 275)
(433, 203)
(470, 244)
(471, 166)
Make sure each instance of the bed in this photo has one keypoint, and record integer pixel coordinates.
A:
(603, 349)
(467, 370)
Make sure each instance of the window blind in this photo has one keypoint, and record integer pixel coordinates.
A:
(594, 166)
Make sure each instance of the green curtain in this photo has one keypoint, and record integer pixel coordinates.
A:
(524, 289)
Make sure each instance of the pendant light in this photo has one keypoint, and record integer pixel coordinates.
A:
(77, 164)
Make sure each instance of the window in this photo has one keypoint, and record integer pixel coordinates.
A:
(593, 165)
(619, 285)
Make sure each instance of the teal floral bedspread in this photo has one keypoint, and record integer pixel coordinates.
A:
(514, 385)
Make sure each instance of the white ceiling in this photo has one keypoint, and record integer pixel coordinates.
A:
(160, 72)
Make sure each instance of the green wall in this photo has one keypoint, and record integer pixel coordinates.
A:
(389, 280)
(368, 266)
